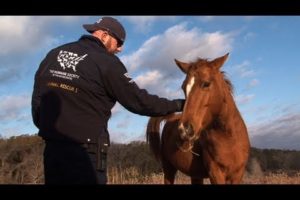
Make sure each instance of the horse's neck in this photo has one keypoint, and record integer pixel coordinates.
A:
(229, 113)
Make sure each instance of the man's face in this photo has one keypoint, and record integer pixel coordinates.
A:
(112, 45)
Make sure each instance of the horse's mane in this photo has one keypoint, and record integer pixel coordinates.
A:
(228, 82)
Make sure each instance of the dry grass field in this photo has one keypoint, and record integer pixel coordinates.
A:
(132, 176)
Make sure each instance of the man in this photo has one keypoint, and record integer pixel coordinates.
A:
(75, 88)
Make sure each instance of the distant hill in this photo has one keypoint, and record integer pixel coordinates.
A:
(286, 141)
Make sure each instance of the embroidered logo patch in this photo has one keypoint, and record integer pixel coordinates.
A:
(130, 79)
(69, 59)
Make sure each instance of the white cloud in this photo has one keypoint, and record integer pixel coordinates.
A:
(253, 83)
(11, 106)
(226, 19)
(282, 132)
(123, 124)
(8, 73)
(207, 18)
(21, 36)
(25, 33)
(148, 79)
(243, 70)
(243, 99)
(155, 83)
(159, 51)
(248, 36)
(16, 33)
(144, 23)
(157, 55)
(125, 137)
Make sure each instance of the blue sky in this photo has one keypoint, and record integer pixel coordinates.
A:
(263, 65)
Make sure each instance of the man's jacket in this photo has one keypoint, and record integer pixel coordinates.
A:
(76, 86)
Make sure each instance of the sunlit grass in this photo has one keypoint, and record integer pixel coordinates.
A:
(132, 176)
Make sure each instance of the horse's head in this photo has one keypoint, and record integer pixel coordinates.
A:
(204, 92)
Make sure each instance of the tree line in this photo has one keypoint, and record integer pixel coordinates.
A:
(21, 159)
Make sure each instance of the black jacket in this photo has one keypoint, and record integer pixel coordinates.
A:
(76, 86)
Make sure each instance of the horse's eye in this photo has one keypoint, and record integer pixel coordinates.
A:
(205, 84)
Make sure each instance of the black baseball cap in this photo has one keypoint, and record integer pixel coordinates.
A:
(109, 24)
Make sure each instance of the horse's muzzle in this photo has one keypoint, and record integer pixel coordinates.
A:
(186, 131)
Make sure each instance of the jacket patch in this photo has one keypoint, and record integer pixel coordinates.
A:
(130, 79)
(69, 59)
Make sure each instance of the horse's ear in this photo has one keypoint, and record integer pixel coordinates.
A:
(183, 66)
(219, 62)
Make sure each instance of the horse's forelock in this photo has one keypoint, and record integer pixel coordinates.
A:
(201, 61)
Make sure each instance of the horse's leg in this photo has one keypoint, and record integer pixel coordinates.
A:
(169, 172)
(236, 178)
(216, 176)
(196, 180)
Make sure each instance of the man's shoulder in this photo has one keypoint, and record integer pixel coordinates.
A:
(106, 58)
(62, 47)
(69, 44)
(110, 64)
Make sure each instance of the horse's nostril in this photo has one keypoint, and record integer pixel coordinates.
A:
(186, 131)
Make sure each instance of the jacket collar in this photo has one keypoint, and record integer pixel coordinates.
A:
(93, 41)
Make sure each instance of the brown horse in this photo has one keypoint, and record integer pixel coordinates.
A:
(209, 139)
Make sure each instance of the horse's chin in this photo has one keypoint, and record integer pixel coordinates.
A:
(187, 143)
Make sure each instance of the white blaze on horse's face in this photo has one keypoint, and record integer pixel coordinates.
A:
(189, 86)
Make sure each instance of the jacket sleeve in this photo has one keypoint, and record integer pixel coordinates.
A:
(36, 95)
(35, 102)
(123, 89)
